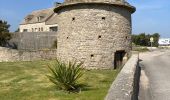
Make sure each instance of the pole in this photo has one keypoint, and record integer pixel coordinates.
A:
(151, 46)
(151, 40)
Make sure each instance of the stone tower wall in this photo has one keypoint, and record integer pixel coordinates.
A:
(93, 33)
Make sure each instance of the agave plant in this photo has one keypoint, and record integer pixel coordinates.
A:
(66, 76)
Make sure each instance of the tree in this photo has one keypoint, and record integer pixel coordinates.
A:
(5, 36)
(156, 39)
(17, 30)
(140, 39)
(144, 39)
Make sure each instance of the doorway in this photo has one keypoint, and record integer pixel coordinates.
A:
(118, 58)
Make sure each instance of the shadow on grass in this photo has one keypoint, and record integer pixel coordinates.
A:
(81, 88)
(85, 87)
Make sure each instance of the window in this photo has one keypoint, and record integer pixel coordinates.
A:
(39, 18)
(99, 36)
(92, 55)
(42, 29)
(103, 18)
(32, 29)
(39, 29)
(28, 18)
(25, 30)
(36, 29)
(73, 18)
(54, 29)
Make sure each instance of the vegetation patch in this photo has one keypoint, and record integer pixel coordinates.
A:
(140, 49)
(66, 76)
(27, 80)
(143, 39)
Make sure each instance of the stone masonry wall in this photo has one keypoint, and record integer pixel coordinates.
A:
(11, 55)
(126, 84)
(34, 41)
(93, 33)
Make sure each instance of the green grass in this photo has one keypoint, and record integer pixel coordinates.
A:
(27, 81)
(140, 49)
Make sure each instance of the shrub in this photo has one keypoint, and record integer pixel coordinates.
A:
(66, 76)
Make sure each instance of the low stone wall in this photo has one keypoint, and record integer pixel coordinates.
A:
(125, 86)
(33, 40)
(11, 55)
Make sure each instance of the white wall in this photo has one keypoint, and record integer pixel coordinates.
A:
(164, 41)
(36, 27)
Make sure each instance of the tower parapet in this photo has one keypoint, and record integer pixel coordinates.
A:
(122, 3)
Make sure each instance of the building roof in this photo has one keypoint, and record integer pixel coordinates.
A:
(39, 16)
(110, 1)
(122, 3)
(52, 20)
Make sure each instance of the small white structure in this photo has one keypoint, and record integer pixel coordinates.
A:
(164, 41)
(40, 21)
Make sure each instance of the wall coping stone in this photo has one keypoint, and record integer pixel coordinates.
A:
(123, 86)
(66, 4)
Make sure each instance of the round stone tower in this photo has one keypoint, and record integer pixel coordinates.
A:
(97, 32)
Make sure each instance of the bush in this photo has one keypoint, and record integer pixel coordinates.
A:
(66, 76)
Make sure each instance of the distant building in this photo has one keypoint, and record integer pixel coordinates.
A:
(40, 21)
(164, 41)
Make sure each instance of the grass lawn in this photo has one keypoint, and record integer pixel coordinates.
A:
(27, 81)
(140, 49)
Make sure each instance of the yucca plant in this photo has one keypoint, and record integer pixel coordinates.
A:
(66, 76)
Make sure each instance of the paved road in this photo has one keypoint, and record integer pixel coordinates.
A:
(155, 75)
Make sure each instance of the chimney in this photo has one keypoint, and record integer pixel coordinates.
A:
(56, 4)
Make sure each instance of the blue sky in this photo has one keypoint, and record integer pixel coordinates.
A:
(151, 15)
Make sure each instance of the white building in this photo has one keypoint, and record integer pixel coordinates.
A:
(164, 41)
(40, 21)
